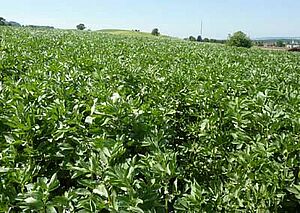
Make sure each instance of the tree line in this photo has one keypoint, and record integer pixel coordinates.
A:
(238, 39)
(4, 22)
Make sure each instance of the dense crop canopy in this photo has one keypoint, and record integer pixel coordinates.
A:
(91, 122)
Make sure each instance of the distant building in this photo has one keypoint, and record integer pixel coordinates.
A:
(269, 44)
(293, 44)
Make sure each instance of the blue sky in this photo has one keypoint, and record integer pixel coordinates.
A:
(258, 18)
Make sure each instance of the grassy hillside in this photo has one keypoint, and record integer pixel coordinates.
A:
(130, 33)
(92, 122)
(124, 32)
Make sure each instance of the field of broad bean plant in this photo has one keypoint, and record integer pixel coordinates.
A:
(93, 122)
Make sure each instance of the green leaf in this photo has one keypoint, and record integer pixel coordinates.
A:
(89, 120)
(82, 191)
(101, 190)
(53, 183)
(60, 201)
(4, 170)
(135, 209)
(31, 200)
(295, 189)
(51, 209)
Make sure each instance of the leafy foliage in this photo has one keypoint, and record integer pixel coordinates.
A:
(80, 27)
(239, 39)
(192, 38)
(199, 38)
(280, 43)
(155, 32)
(92, 122)
(2, 21)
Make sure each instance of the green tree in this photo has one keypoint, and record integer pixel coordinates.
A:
(2, 21)
(259, 43)
(192, 38)
(155, 32)
(280, 44)
(239, 39)
(80, 27)
(206, 40)
(199, 38)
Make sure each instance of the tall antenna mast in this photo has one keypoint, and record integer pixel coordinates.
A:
(201, 28)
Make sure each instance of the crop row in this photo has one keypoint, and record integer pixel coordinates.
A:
(91, 122)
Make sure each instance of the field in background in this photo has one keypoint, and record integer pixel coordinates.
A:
(130, 33)
(93, 121)
(124, 32)
(273, 48)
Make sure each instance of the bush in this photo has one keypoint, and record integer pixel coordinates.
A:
(2, 21)
(192, 38)
(155, 32)
(280, 44)
(259, 43)
(239, 39)
(80, 27)
(199, 38)
(206, 40)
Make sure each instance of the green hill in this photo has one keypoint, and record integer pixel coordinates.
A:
(129, 33)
